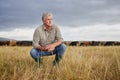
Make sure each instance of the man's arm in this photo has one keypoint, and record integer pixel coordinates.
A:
(57, 43)
(36, 39)
(52, 46)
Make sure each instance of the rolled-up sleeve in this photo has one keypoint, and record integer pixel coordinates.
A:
(36, 38)
(58, 35)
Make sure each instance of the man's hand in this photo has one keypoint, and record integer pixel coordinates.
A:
(49, 47)
(41, 48)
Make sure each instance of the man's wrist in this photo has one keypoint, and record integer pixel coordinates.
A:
(39, 47)
(57, 43)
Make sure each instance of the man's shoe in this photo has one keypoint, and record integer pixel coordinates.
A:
(57, 60)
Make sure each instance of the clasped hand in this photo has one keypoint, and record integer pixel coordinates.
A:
(48, 48)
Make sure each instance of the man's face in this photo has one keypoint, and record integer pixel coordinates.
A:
(48, 21)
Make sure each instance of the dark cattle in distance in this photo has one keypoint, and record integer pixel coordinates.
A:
(102, 43)
(4, 43)
(74, 43)
(117, 43)
(86, 43)
(109, 43)
(24, 43)
(95, 43)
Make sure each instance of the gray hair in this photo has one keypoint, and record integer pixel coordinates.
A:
(46, 14)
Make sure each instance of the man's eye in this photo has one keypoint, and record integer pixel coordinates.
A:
(50, 19)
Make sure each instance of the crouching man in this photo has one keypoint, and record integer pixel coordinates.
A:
(47, 40)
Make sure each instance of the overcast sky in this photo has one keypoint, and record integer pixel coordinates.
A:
(78, 19)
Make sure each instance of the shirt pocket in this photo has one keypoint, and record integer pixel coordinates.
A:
(42, 40)
(52, 38)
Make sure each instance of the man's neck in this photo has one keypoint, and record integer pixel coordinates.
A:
(48, 28)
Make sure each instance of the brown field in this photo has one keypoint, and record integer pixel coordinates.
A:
(79, 63)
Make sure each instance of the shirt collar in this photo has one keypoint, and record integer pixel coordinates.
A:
(45, 27)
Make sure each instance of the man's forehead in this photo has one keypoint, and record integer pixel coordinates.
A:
(48, 17)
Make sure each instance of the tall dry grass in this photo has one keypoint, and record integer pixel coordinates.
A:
(78, 63)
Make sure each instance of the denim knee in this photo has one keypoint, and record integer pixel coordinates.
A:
(34, 53)
(61, 49)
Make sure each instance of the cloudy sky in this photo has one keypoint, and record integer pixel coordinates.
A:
(82, 20)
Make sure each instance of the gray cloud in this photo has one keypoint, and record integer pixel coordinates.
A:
(24, 13)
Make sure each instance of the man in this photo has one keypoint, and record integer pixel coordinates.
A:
(47, 40)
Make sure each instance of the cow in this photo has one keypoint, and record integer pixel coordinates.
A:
(95, 43)
(12, 43)
(86, 43)
(117, 43)
(74, 43)
(109, 43)
(2, 43)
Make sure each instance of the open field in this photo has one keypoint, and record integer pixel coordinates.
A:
(79, 63)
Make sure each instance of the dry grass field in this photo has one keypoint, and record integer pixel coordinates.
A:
(79, 63)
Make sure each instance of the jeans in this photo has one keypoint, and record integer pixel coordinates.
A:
(59, 50)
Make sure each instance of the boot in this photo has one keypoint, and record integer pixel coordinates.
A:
(57, 60)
